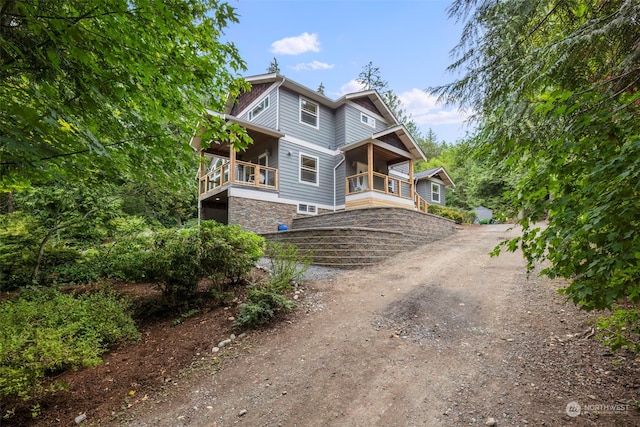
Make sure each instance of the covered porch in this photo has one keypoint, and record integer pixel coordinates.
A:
(379, 171)
(221, 166)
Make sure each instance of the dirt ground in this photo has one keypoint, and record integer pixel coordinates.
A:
(443, 335)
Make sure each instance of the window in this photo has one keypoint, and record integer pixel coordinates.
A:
(263, 105)
(308, 169)
(435, 192)
(308, 112)
(368, 120)
(307, 209)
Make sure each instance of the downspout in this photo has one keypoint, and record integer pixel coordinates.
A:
(334, 180)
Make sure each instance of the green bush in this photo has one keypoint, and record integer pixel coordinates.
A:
(45, 331)
(228, 252)
(620, 329)
(287, 264)
(263, 304)
(174, 264)
(451, 213)
(127, 258)
(20, 235)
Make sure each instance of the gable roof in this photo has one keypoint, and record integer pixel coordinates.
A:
(400, 133)
(438, 172)
(280, 80)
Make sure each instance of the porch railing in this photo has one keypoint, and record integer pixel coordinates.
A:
(244, 173)
(422, 204)
(385, 184)
(381, 183)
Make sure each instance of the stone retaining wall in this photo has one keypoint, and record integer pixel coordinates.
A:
(361, 237)
(425, 227)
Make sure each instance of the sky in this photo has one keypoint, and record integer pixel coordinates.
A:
(331, 41)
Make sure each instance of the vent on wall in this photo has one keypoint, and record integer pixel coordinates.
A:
(307, 209)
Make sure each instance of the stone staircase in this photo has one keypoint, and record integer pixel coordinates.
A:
(362, 237)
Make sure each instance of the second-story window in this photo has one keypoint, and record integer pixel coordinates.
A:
(308, 169)
(263, 105)
(309, 112)
(368, 120)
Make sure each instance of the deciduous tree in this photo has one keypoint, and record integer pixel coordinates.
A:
(112, 88)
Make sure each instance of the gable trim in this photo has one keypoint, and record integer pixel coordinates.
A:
(365, 111)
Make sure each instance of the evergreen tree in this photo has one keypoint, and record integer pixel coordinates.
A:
(556, 88)
(274, 67)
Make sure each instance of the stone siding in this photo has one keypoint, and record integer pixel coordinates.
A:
(259, 216)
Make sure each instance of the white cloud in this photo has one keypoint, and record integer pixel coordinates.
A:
(350, 87)
(425, 109)
(315, 65)
(305, 42)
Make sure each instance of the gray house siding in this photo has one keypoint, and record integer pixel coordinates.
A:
(289, 171)
(402, 168)
(355, 130)
(340, 134)
(269, 116)
(423, 188)
(290, 123)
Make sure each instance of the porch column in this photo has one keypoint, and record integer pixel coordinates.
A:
(370, 165)
(232, 164)
(413, 184)
(202, 170)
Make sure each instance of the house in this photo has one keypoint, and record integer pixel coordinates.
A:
(431, 185)
(310, 155)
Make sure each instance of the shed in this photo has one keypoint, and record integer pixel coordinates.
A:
(483, 213)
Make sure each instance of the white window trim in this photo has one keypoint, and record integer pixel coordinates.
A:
(317, 183)
(317, 115)
(368, 120)
(266, 100)
(434, 185)
(308, 209)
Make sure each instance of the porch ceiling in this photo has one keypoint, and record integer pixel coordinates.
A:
(379, 153)
(223, 149)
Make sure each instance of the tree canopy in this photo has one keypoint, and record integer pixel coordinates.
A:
(555, 87)
(92, 88)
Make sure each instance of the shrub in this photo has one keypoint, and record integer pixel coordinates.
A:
(127, 258)
(174, 263)
(451, 213)
(263, 304)
(287, 264)
(45, 331)
(228, 252)
(620, 328)
(20, 235)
